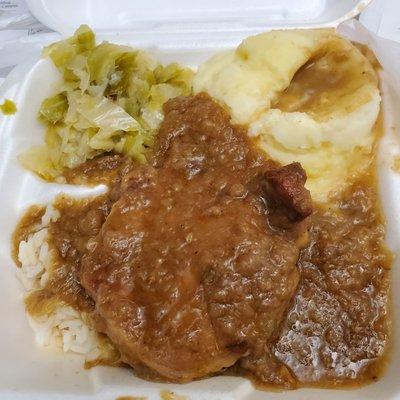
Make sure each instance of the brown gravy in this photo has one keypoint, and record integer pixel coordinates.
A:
(336, 332)
(79, 221)
(325, 84)
(199, 253)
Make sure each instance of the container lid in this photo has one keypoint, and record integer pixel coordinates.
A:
(382, 18)
(192, 15)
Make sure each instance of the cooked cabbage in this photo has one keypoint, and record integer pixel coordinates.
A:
(110, 99)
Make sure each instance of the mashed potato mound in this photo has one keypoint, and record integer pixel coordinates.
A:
(306, 95)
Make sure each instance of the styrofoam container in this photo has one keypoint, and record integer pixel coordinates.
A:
(187, 32)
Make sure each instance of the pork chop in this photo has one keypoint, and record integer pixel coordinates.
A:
(191, 270)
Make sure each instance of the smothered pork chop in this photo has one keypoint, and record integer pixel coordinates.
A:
(205, 256)
(195, 265)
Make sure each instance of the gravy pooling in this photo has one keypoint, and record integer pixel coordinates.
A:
(337, 331)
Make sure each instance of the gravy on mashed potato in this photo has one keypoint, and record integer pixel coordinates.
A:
(312, 97)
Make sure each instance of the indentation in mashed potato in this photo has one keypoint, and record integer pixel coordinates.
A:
(306, 95)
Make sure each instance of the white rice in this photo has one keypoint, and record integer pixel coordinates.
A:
(65, 327)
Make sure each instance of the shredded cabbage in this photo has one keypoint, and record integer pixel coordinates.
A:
(110, 99)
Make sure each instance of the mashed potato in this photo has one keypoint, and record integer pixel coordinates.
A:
(306, 95)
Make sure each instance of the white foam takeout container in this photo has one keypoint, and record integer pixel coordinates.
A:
(187, 32)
